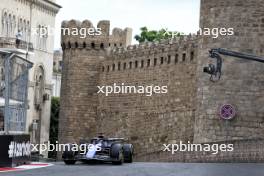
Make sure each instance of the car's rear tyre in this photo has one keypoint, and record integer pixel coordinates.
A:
(117, 154)
(128, 153)
(120, 160)
(70, 162)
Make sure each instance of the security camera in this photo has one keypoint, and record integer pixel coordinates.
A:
(214, 69)
(210, 69)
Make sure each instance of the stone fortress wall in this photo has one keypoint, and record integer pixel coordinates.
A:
(189, 111)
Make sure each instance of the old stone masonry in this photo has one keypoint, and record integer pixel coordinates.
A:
(189, 111)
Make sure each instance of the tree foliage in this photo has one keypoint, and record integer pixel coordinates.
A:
(154, 35)
(54, 121)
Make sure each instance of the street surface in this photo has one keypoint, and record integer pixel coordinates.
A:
(146, 169)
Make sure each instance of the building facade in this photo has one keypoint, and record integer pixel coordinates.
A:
(189, 111)
(56, 76)
(31, 18)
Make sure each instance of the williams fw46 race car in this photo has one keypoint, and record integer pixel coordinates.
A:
(100, 149)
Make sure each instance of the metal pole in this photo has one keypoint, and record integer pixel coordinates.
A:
(239, 55)
(7, 93)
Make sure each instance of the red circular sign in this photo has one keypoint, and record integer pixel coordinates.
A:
(227, 112)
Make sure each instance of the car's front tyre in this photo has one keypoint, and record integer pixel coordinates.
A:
(68, 155)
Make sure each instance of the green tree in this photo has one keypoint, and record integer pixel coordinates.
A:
(54, 121)
(154, 35)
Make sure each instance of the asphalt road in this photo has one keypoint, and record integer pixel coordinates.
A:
(146, 169)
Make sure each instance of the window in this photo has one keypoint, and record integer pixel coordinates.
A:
(161, 60)
(14, 26)
(41, 38)
(155, 61)
(136, 64)
(148, 63)
(142, 63)
(9, 30)
(169, 59)
(183, 57)
(108, 68)
(119, 66)
(92, 45)
(192, 56)
(124, 66)
(103, 69)
(102, 46)
(130, 65)
(2, 74)
(176, 58)
(113, 67)
(5, 24)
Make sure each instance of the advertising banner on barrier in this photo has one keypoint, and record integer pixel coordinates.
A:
(14, 150)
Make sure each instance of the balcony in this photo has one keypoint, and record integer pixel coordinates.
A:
(7, 42)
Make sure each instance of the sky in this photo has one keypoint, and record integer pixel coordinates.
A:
(176, 15)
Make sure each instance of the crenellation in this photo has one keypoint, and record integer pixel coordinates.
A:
(160, 50)
(85, 35)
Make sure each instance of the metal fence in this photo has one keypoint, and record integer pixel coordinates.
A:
(13, 92)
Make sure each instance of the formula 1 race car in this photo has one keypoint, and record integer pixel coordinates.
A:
(100, 149)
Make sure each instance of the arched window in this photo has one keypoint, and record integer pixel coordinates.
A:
(39, 86)
(20, 24)
(28, 31)
(24, 31)
(13, 26)
(5, 25)
(9, 23)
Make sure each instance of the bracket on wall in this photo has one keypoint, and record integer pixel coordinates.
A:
(215, 70)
